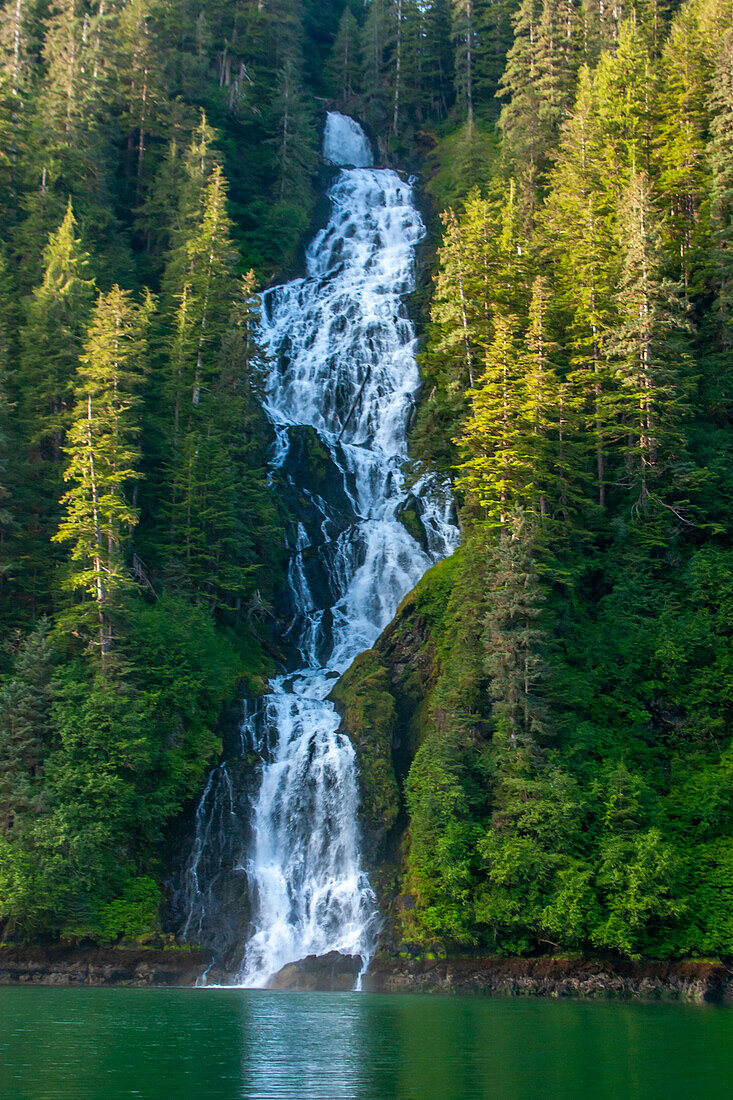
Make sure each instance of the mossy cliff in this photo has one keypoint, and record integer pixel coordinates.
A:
(609, 830)
(384, 700)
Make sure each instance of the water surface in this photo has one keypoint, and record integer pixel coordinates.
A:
(104, 1044)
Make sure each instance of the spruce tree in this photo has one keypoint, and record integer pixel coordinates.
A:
(294, 143)
(523, 136)
(344, 66)
(464, 37)
(25, 729)
(375, 41)
(15, 89)
(8, 462)
(514, 639)
(69, 155)
(496, 473)
(721, 197)
(103, 467)
(51, 339)
(680, 136)
(646, 353)
(580, 220)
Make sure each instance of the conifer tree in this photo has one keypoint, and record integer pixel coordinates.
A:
(457, 312)
(104, 465)
(721, 165)
(295, 156)
(375, 40)
(494, 37)
(626, 106)
(56, 319)
(523, 145)
(143, 90)
(25, 705)
(212, 363)
(69, 157)
(544, 407)
(464, 37)
(647, 358)
(497, 469)
(581, 221)
(7, 524)
(51, 339)
(557, 64)
(15, 89)
(344, 66)
(514, 640)
(437, 73)
(680, 135)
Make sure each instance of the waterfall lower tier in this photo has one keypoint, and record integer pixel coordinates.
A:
(339, 395)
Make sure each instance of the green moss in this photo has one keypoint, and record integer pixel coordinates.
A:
(410, 520)
(362, 696)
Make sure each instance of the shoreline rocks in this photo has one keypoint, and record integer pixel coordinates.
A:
(690, 981)
(64, 966)
(686, 981)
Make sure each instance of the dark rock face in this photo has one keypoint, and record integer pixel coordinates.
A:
(332, 973)
(112, 966)
(211, 901)
(690, 981)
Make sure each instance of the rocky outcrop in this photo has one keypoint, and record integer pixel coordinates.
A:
(331, 973)
(689, 981)
(383, 700)
(100, 966)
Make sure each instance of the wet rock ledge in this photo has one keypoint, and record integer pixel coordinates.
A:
(690, 981)
(100, 966)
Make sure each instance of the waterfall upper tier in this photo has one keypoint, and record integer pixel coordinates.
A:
(345, 144)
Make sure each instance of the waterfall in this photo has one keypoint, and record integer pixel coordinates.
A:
(342, 386)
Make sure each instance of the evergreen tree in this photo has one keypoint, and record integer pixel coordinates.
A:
(375, 42)
(25, 727)
(721, 165)
(344, 68)
(494, 37)
(103, 465)
(437, 72)
(15, 90)
(7, 464)
(68, 155)
(295, 156)
(626, 106)
(523, 135)
(51, 339)
(514, 638)
(647, 359)
(581, 221)
(464, 37)
(143, 87)
(497, 469)
(681, 134)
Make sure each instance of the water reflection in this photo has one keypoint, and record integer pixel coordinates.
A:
(299, 1043)
(95, 1044)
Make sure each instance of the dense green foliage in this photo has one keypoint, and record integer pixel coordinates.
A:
(560, 691)
(572, 786)
(141, 543)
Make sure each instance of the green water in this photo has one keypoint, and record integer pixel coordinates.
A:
(101, 1044)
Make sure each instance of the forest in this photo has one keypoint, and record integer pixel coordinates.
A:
(555, 770)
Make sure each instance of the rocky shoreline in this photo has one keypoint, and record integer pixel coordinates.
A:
(101, 966)
(690, 981)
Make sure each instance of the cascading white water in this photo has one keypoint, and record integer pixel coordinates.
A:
(344, 365)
